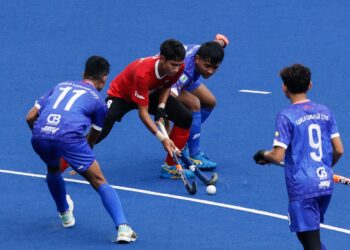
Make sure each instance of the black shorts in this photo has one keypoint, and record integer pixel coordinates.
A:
(118, 107)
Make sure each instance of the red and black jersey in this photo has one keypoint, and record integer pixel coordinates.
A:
(138, 79)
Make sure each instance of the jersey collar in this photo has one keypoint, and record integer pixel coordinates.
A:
(156, 70)
(307, 100)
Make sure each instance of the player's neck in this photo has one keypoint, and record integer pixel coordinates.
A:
(90, 82)
(297, 98)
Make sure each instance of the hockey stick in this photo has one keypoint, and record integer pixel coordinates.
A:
(341, 179)
(191, 189)
(336, 178)
(205, 179)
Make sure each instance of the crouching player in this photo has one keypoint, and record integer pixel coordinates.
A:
(201, 60)
(307, 139)
(58, 122)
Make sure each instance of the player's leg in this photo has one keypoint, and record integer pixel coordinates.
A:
(193, 104)
(182, 119)
(117, 108)
(49, 152)
(207, 104)
(82, 160)
(310, 240)
(207, 100)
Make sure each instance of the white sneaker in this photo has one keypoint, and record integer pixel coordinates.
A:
(67, 217)
(125, 234)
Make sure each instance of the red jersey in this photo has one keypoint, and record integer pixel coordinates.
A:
(139, 79)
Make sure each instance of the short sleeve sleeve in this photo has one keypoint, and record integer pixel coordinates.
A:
(98, 117)
(283, 132)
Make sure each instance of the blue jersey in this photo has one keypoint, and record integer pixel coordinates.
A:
(68, 110)
(305, 130)
(190, 75)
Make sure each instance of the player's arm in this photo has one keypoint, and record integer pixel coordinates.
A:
(92, 136)
(32, 116)
(338, 149)
(146, 119)
(275, 155)
(163, 98)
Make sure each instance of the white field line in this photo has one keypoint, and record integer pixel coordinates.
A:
(254, 91)
(178, 197)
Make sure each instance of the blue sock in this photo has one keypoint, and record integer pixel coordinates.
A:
(205, 114)
(195, 133)
(57, 189)
(112, 204)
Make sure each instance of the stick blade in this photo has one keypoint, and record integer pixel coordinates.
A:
(192, 189)
(213, 179)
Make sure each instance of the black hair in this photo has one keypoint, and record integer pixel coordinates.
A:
(211, 52)
(296, 78)
(173, 49)
(96, 67)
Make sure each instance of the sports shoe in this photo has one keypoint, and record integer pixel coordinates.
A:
(125, 234)
(202, 162)
(67, 217)
(170, 172)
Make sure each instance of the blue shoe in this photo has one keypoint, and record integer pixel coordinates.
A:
(170, 172)
(202, 162)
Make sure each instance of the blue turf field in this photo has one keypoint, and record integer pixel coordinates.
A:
(45, 42)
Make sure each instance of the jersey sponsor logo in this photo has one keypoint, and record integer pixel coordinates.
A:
(49, 130)
(53, 119)
(183, 78)
(321, 173)
(139, 96)
(324, 184)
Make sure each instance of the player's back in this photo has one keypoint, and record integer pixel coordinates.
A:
(68, 110)
(309, 154)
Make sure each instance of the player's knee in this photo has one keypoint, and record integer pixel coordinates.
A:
(97, 181)
(195, 104)
(210, 103)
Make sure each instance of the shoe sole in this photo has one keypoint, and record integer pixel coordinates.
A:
(206, 169)
(125, 239)
(70, 224)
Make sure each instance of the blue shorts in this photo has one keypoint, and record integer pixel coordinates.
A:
(177, 88)
(192, 86)
(306, 215)
(78, 155)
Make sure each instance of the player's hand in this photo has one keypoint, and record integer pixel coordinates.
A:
(222, 40)
(161, 116)
(169, 146)
(259, 157)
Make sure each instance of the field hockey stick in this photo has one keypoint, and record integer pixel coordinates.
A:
(205, 179)
(191, 189)
(341, 179)
(336, 178)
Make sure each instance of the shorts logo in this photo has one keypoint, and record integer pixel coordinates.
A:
(277, 133)
(109, 103)
(321, 173)
(139, 96)
(196, 136)
(53, 119)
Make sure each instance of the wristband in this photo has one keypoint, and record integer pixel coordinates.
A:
(160, 136)
(161, 105)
